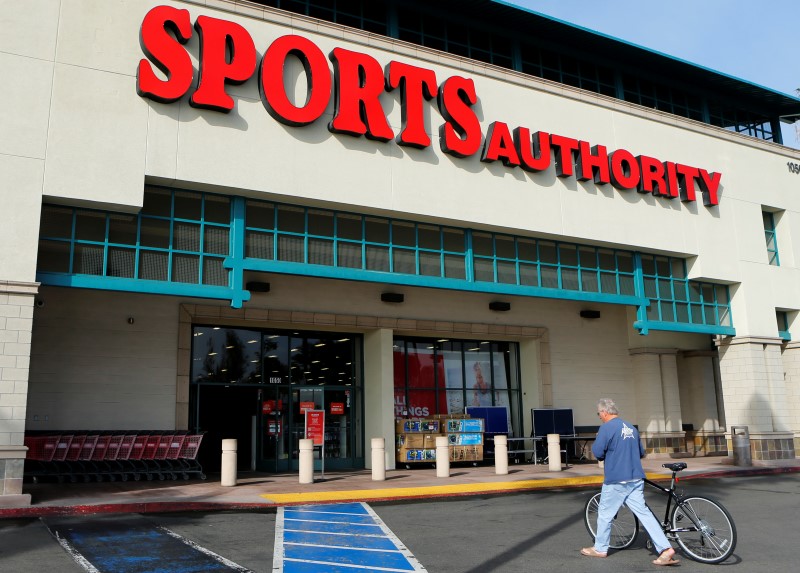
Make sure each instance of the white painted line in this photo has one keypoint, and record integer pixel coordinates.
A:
(348, 534)
(74, 553)
(277, 549)
(341, 547)
(403, 549)
(362, 567)
(331, 522)
(203, 550)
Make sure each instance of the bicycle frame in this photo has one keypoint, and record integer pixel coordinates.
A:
(673, 497)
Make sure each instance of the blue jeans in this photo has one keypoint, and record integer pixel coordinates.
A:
(631, 494)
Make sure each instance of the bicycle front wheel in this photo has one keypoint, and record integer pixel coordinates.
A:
(703, 529)
(624, 526)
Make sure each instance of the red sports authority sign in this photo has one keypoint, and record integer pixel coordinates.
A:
(356, 82)
(315, 426)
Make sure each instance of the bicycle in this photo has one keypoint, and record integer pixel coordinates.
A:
(702, 527)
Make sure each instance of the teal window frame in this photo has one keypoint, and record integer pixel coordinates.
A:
(272, 237)
(771, 238)
(782, 318)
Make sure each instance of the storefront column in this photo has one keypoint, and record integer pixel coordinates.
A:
(791, 366)
(16, 324)
(379, 391)
(700, 407)
(755, 395)
(658, 403)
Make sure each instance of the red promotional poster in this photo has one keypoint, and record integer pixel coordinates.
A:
(267, 406)
(337, 408)
(306, 406)
(315, 426)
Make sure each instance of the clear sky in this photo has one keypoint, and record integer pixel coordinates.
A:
(754, 40)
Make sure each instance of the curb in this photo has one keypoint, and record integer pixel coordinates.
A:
(379, 496)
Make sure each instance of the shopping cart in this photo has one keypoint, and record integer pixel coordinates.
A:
(188, 455)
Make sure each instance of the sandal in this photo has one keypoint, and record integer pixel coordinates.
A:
(592, 552)
(666, 558)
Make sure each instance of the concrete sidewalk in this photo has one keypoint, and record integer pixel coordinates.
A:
(264, 491)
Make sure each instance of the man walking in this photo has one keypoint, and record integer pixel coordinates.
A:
(619, 447)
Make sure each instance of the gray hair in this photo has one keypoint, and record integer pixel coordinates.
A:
(607, 405)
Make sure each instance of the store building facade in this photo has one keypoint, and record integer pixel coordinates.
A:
(218, 214)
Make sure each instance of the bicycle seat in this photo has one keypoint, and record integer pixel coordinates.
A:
(675, 467)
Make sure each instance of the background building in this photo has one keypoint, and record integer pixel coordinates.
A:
(383, 210)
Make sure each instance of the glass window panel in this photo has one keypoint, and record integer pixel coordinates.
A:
(648, 265)
(679, 290)
(662, 266)
(664, 288)
(528, 275)
(348, 255)
(260, 215)
(430, 264)
(722, 294)
(377, 230)
(216, 240)
(709, 314)
(484, 270)
(188, 205)
(589, 281)
(625, 262)
(652, 311)
(588, 258)
(569, 279)
(678, 268)
(694, 292)
(291, 249)
(121, 263)
(88, 260)
(259, 245)
(626, 285)
(213, 272)
(526, 250)
(218, 210)
(650, 290)
(429, 237)
(153, 265)
(90, 226)
(348, 227)
(549, 276)
(320, 252)
(506, 272)
(320, 223)
(681, 312)
(608, 283)
(404, 261)
(291, 219)
(187, 237)
(122, 229)
(56, 222)
(667, 313)
(725, 316)
(708, 293)
(53, 257)
(548, 253)
(377, 258)
(568, 255)
(482, 244)
(155, 233)
(185, 268)
(453, 240)
(455, 267)
(403, 234)
(504, 247)
(157, 202)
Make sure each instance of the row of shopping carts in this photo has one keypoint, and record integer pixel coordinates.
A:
(110, 456)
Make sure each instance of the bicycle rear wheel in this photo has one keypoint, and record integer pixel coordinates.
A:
(703, 529)
(624, 527)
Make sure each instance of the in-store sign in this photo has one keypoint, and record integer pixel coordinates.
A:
(337, 408)
(315, 426)
(267, 406)
(306, 406)
(228, 56)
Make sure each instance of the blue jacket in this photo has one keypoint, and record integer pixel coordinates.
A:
(618, 444)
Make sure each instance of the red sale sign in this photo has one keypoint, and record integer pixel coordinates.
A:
(315, 426)
(337, 407)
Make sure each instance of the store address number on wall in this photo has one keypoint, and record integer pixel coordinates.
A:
(794, 167)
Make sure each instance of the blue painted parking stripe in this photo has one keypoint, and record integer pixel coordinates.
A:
(337, 538)
(131, 546)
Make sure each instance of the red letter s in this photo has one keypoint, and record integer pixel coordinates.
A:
(167, 53)
(460, 135)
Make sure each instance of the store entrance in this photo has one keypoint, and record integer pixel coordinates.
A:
(282, 426)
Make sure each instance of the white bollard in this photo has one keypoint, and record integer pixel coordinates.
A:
(378, 459)
(442, 457)
(501, 455)
(306, 461)
(229, 461)
(554, 452)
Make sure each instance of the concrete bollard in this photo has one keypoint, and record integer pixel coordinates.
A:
(378, 459)
(229, 462)
(442, 457)
(554, 452)
(501, 455)
(306, 461)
